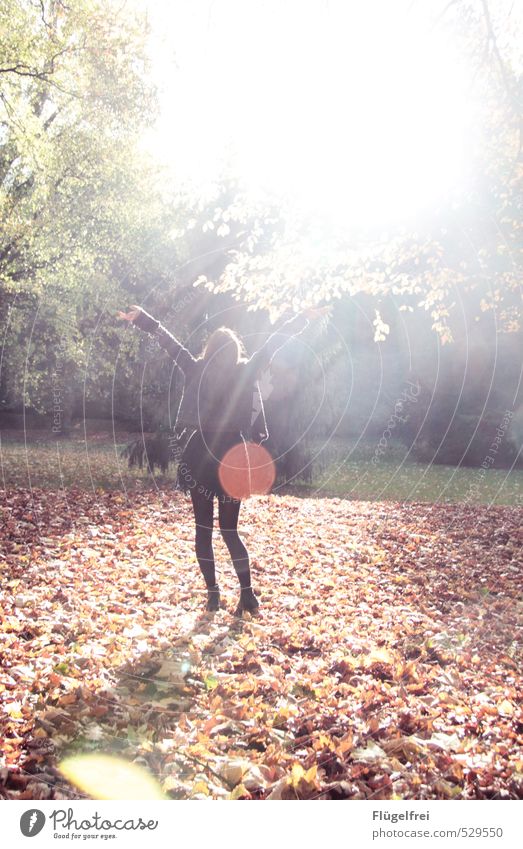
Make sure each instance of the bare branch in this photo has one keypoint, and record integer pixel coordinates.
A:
(23, 70)
(510, 90)
(49, 121)
(444, 12)
(491, 39)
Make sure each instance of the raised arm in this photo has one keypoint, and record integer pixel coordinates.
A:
(290, 328)
(141, 319)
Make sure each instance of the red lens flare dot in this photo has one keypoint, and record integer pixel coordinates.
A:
(246, 469)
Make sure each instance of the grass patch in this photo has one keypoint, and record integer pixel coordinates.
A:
(342, 469)
(418, 482)
(62, 463)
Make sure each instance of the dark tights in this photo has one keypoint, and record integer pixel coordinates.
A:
(228, 512)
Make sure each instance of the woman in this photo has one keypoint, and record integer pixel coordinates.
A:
(217, 405)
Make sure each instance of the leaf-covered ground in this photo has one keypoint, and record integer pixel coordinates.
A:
(385, 663)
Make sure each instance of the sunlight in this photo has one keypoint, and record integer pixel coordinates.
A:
(354, 111)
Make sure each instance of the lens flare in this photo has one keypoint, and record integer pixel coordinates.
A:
(246, 469)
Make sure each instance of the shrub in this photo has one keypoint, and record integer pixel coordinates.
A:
(149, 450)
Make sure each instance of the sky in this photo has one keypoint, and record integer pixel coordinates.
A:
(360, 110)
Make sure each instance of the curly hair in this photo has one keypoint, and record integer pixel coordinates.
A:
(219, 341)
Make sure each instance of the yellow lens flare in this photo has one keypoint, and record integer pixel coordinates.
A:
(110, 777)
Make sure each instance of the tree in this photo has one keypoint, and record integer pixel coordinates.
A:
(467, 251)
(73, 96)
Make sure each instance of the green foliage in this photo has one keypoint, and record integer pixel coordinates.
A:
(72, 98)
(73, 95)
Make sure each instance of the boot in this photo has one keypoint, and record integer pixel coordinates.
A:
(213, 599)
(248, 603)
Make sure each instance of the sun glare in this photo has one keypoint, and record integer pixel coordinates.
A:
(355, 111)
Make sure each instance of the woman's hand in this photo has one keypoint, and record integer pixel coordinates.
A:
(133, 313)
(315, 312)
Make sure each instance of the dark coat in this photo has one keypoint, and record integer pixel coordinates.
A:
(213, 399)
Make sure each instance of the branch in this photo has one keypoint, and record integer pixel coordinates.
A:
(444, 12)
(491, 38)
(22, 69)
(49, 121)
(206, 766)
